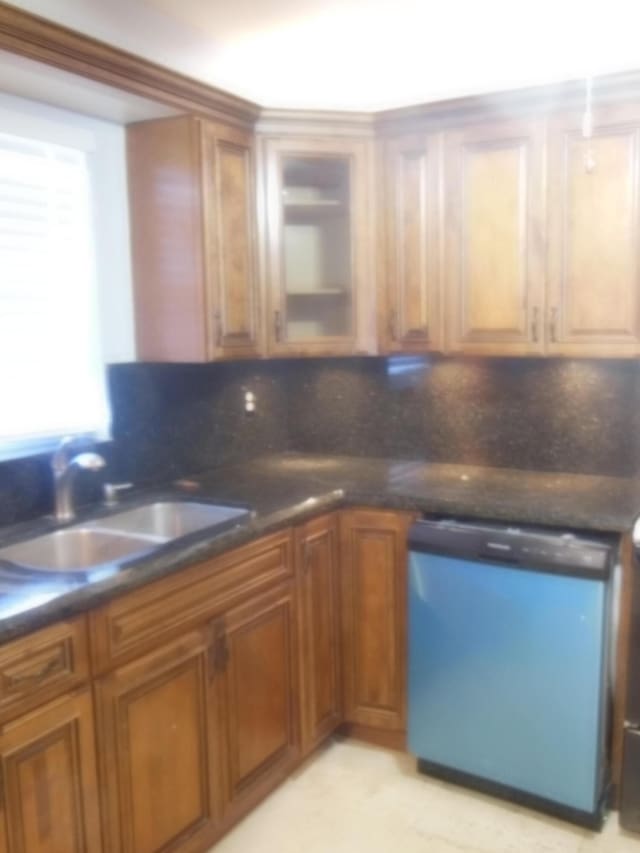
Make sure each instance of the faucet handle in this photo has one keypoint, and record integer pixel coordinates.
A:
(112, 490)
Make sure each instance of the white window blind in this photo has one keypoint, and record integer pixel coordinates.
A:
(52, 379)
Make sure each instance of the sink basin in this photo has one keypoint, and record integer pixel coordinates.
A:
(127, 534)
(167, 520)
(76, 549)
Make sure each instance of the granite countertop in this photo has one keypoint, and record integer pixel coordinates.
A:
(285, 489)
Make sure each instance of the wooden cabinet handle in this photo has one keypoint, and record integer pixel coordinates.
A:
(218, 653)
(393, 325)
(49, 668)
(277, 326)
(553, 325)
(535, 317)
(217, 319)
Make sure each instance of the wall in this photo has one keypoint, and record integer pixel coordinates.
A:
(171, 420)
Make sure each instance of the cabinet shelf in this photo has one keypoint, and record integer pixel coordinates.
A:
(305, 211)
(324, 292)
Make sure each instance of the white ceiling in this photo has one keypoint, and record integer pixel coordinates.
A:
(363, 54)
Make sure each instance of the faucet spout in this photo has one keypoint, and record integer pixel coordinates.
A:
(64, 469)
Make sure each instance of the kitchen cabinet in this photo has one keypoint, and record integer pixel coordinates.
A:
(259, 684)
(318, 241)
(594, 234)
(192, 207)
(48, 776)
(411, 306)
(319, 629)
(373, 555)
(495, 249)
(157, 735)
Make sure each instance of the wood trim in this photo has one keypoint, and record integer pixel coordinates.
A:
(45, 41)
(547, 98)
(622, 655)
(396, 740)
(317, 123)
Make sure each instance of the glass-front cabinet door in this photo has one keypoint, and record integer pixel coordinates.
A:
(317, 228)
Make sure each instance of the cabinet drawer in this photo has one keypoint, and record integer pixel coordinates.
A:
(136, 622)
(45, 664)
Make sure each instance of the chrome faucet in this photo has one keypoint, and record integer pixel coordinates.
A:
(64, 466)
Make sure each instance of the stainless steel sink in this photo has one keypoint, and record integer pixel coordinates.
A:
(167, 520)
(107, 541)
(76, 549)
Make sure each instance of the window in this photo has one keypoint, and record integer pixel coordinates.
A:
(52, 376)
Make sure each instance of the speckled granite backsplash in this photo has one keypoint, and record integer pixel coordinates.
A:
(543, 415)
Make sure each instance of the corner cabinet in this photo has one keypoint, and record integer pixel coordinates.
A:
(410, 313)
(594, 234)
(319, 629)
(495, 249)
(192, 205)
(318, 235)
(374, 591)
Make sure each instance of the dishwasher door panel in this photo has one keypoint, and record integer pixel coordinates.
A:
(506, 676)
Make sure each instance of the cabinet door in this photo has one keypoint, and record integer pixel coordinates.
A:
(230, 239)
(494, 195)
(373, 568)
(261, 730)
(157, 721)
(319, 630)
(411, 305)
(49, 784)
(594, 235)
(165, 208)
(320, 293)
(192, 208)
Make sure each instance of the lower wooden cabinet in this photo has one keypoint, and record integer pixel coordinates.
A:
(50, 793)
(319, 629)
(220, 702)
(259, 684)
(373, 567)
(157, 735)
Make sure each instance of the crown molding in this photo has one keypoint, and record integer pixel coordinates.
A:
(44, 41)
(547, 99)
(322, 123)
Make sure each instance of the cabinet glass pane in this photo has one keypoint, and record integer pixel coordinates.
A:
(316, 247)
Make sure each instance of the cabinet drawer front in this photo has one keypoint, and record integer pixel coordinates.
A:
(42, 665)
(146, 617)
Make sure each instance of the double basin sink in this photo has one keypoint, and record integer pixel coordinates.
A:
(119, 537)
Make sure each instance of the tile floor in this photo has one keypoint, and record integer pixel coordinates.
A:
(351, 797)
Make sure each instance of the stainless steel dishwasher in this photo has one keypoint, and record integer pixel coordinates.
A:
(508, 662)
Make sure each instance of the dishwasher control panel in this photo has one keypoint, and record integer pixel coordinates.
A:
(526, 547)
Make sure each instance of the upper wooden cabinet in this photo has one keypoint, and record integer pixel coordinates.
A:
(594, 234)
(411, 294)
(192, 201)
(320, 291)
(494, 256)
